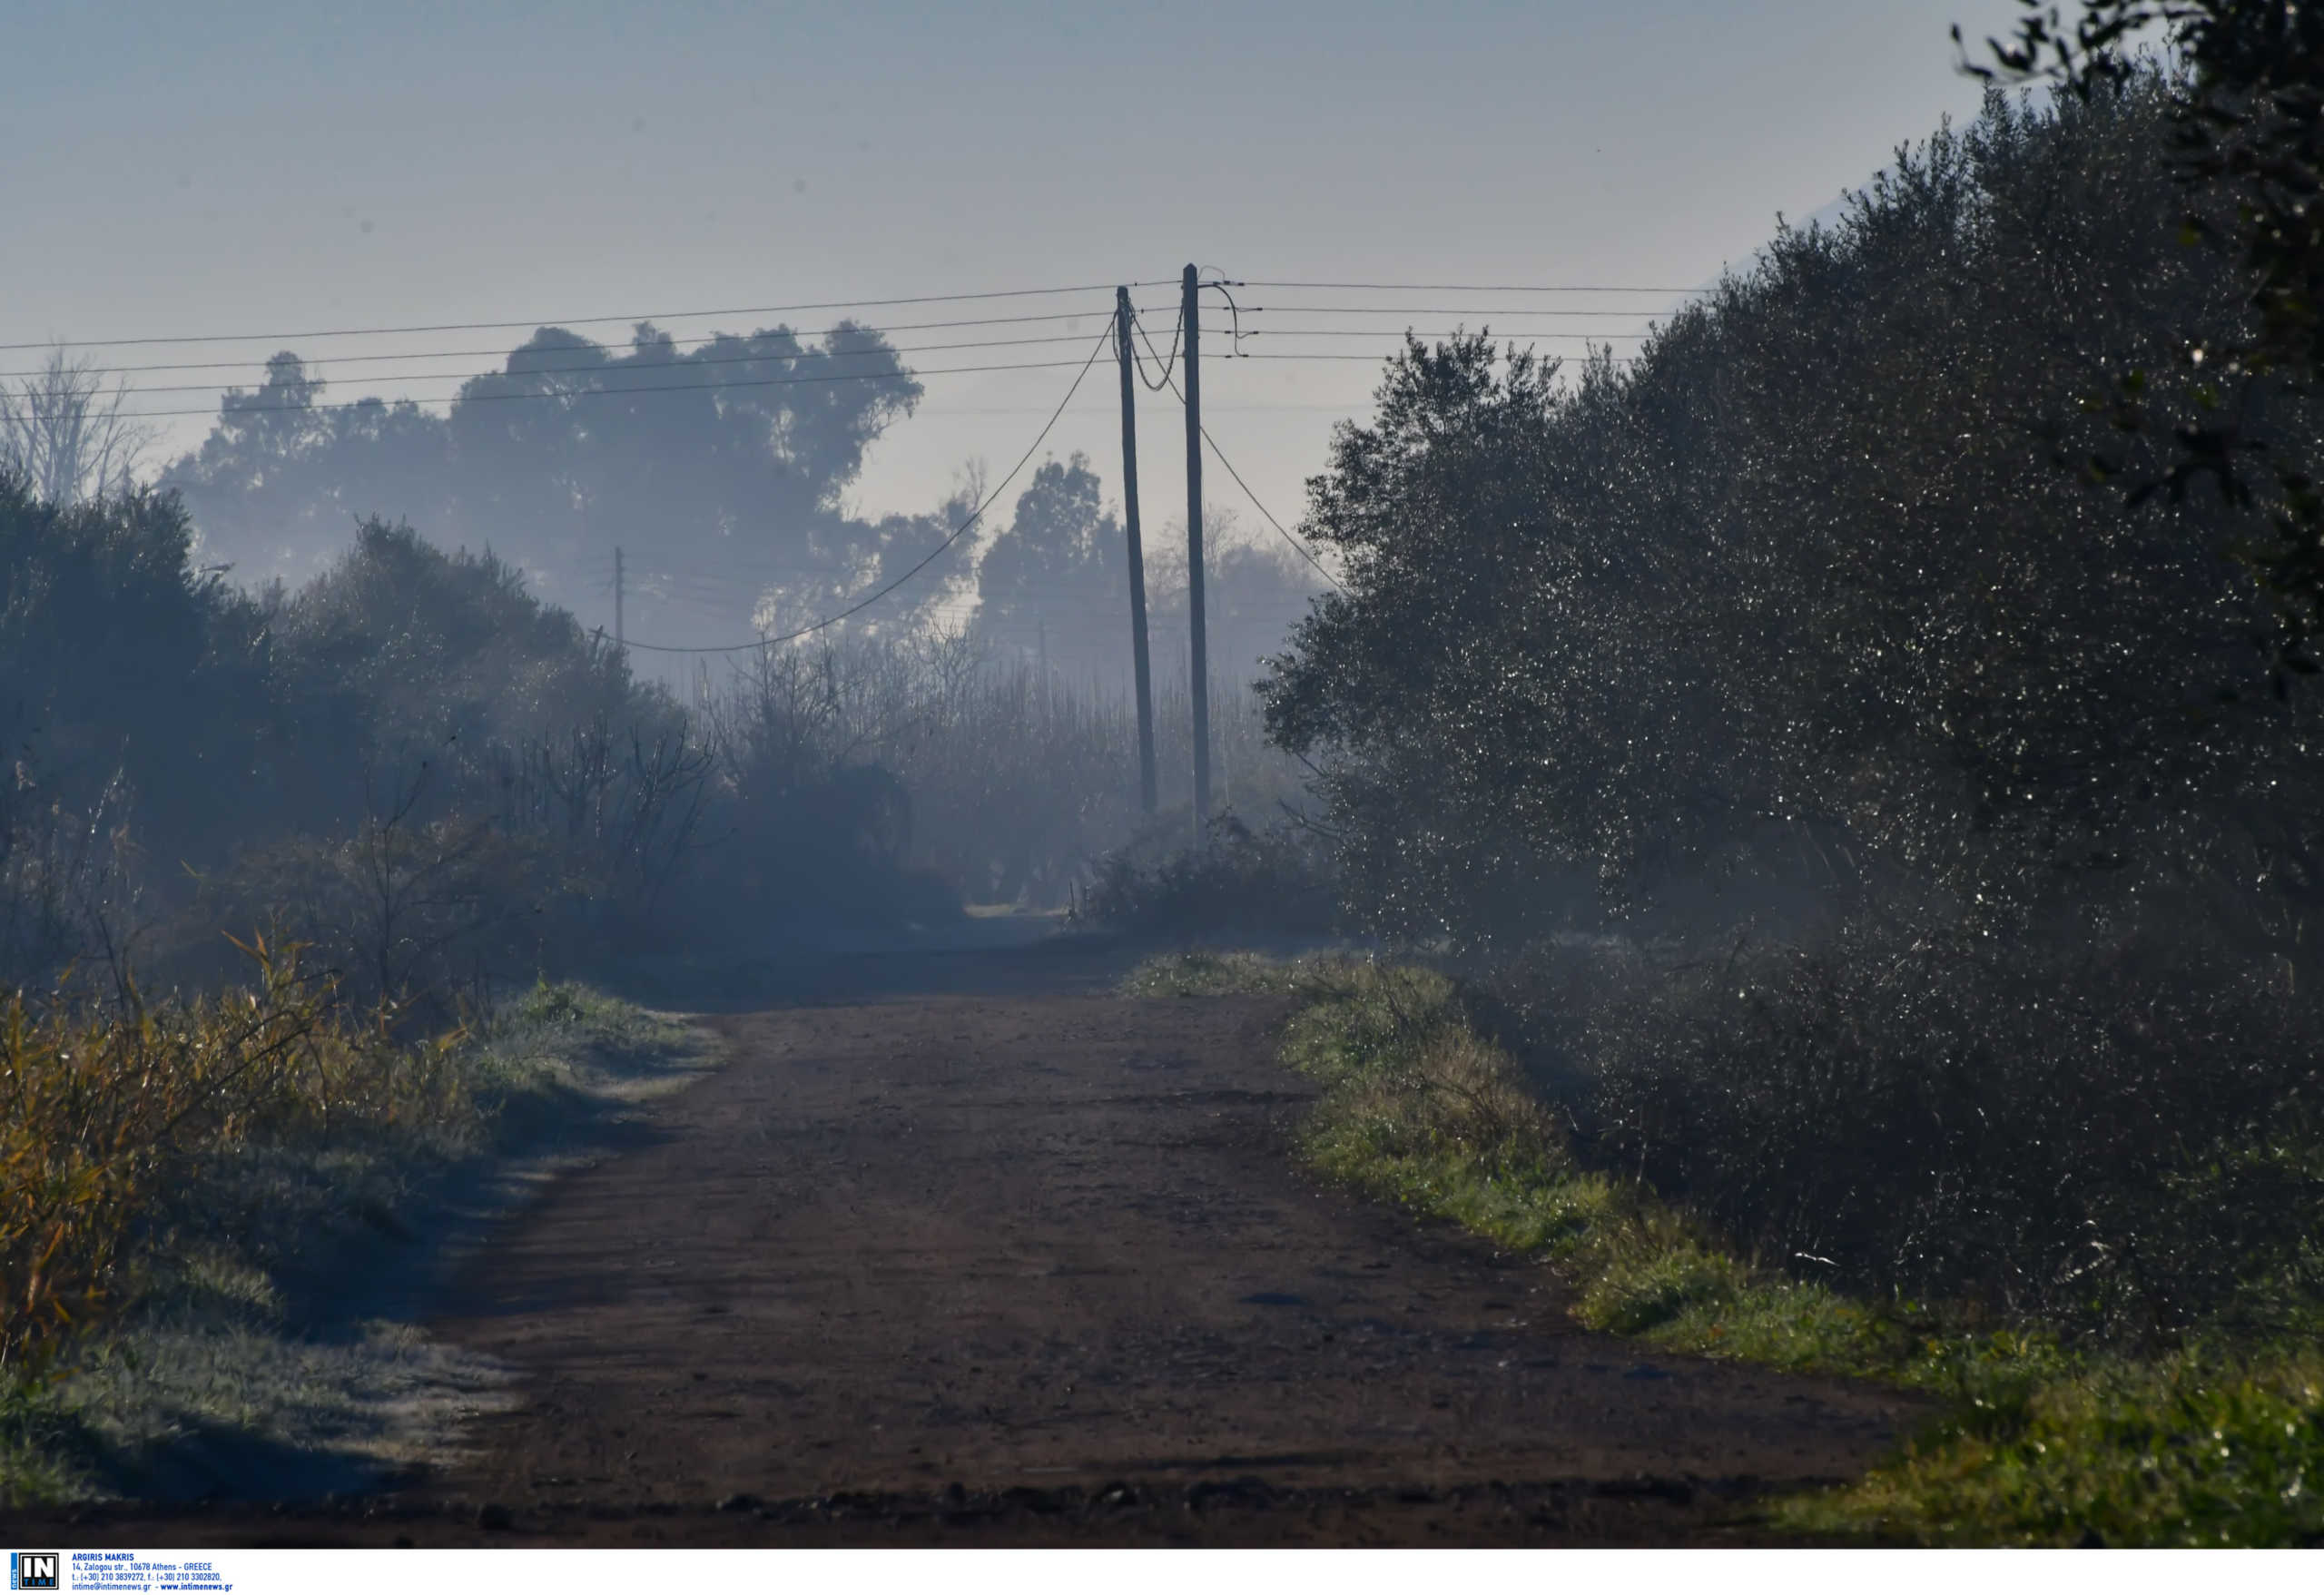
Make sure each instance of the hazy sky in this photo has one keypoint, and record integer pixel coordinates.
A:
(170, 170)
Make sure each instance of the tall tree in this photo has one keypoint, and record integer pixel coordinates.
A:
(1059, 574)
(1799, 598)
(722, 465)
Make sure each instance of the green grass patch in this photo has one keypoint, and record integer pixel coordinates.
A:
(2189, 1450)
(1422, 1110)
(2038, 1444)
(1227, 974)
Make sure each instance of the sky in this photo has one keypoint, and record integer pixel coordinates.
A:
(171, 171)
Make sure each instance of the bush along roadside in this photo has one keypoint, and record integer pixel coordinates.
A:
(2044, 1438)
(1270, 882)
(216, 1217)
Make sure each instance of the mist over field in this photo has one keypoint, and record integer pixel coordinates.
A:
(1782, 799)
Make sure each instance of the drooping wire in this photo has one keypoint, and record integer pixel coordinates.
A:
(1301, 548)
(1176, 332)
(1234, 309)
(957, 533)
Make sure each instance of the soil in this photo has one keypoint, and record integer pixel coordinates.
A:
(1021, 1263)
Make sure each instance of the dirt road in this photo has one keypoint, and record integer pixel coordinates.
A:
(1038, 1268)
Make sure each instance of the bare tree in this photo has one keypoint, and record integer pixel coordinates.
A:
(67, 433)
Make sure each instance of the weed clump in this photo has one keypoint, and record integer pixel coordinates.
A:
(104, 1109)
(185, 1186)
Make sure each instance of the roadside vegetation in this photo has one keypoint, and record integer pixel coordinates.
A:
(2045, 1434)
(297, 883)
(1857, 768)
(1851, 777)
(217, 1214)
(1276, 881)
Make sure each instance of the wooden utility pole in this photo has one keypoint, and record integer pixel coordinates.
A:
(1138, 661)
(619, 642)
(1191, 310)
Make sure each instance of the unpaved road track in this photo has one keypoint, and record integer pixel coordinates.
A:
(1039, 1269)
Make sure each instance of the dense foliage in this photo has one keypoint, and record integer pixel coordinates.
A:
(420, 769)
(2245, 104)
(1879, 837)
(1799, 608)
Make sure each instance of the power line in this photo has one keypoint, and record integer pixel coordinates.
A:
(1176, 333)
(1273, 332)
(1263, 509)
(690, 363)
(958, 532)
(326, 360)
(902, 375)
(1620, 359)
(828, 304)
(446, 354)
(1473, 287)
(1254, 498)
(897, 376)
(1514, 310)
(1533, 311)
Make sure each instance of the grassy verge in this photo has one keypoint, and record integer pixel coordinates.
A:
(235, 1264)
(2037, 1443)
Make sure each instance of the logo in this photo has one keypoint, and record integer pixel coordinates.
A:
(33, 1569)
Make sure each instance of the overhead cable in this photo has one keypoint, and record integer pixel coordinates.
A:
(446, 354)
(692, 362)
(898, 376)
(1304, 551)
(828, 304)
(1176, 333)
(1475, 287)
(1620, 359)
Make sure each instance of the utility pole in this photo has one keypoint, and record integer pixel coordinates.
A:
(1199, 648)
(617, 576)
(1141, 666)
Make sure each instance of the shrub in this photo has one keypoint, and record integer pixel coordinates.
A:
(1275, 881)
(2119, 1137)
(104, 1109)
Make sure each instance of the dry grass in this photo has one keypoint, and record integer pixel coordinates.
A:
(232, 1208)
(104, 1106)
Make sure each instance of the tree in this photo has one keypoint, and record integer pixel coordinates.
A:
(1797, 611)
(719, 468)
(2246, 132)
(65, 433)
(116, 669)
(283, 478)
(1060, 574)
